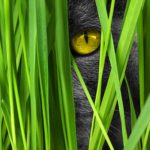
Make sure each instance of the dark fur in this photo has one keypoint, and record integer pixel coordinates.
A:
(83, 16)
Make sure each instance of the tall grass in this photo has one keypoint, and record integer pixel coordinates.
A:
(36, 99)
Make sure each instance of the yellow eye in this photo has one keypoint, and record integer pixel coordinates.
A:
(86, 42)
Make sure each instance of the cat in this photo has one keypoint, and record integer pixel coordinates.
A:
(83, 16)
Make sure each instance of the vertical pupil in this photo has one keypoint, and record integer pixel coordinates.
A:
(86, 36)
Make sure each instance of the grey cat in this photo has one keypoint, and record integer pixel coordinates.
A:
(83, 16)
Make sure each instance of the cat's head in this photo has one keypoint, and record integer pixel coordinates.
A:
(84, 21)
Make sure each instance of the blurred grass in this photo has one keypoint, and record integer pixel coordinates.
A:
(37, 106)
(26, 79)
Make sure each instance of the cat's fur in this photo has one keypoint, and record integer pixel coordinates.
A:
(83, 16)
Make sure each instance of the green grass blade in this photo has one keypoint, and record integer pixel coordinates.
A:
(104, 22)
(146, 39)
(1, 119)
(9, 49)
(123, 52)
(43, 67)
(7, 143)
(32, 65)
(7, 120)
(145, 140)
(141, 124)
(113, 62)
(103, 53)
(92, 104)
(28, 130)
(62, 53)
(99, 85)
(19, 111)
(146, 19)
(55, 114)
(141, 59)
(2, 70)
(23, 43)
(132, 109)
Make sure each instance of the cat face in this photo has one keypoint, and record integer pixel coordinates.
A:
(83, 18)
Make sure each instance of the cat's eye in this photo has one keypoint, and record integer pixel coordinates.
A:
(86, 42)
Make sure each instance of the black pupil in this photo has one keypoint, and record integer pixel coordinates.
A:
(86, 37)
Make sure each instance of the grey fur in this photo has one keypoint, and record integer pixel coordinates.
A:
(83, 16)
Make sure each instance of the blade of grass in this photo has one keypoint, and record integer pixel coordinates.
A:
(40, 139)
(23, 88)
(143, 44)
(99, 85)
(104, 22)
(15, 17)
(7, 120)
(145, 140)
(7, 143)
(113, 62)
(57, 142)
(1, 118)
(141, 59)
(103, 51)
(19, 111)
(92, 104)
(132, 109)
(146, 18)
(141, 124)
(43, 67)
(2, 24)
(8, 34)
(21, 25)
(125, 43)
(132, 112)
(32, 64)
(2, 68)
(28, 130)
(62, 54)
(146, 33)
(63, 63)
(4, 129)
(55, 116)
